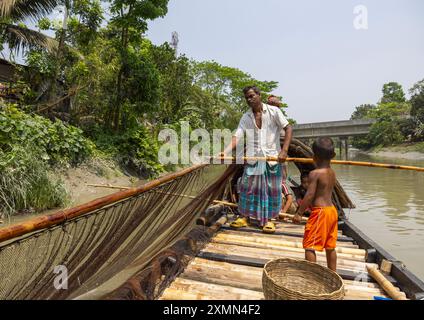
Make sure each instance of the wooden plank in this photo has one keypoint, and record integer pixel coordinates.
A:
(281, 243)
(202, 290)
(200, 264)
(175, 294)
(230, 278)
(260, 262)
(386, 266)
(275, 254)
(282, 250)
(225, 292)
(364, 284)
(274, 236)
(281, 233)
(253, 281)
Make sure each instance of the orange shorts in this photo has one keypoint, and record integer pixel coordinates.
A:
(321, 229)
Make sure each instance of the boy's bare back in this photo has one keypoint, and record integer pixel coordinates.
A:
(323, 181)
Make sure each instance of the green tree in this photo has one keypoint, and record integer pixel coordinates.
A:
(417, 100)
(362, 112)
(393, 92)
(391, 114)
(129, 19)
(181, 99)
(175, 84)
(417, 108)
(79, 26)
(387, 129)
(15, 33)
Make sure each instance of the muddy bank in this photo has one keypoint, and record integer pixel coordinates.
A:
(408, 151)
(83, 185)
(397, 155)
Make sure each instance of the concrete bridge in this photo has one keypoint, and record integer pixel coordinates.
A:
(335, 129)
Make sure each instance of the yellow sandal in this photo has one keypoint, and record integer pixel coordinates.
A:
(269, 227)
(239, 223)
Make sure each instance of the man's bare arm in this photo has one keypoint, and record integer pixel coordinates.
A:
(287, 140)
(230, 147)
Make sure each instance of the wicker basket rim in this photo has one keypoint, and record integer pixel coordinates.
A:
(323, 295)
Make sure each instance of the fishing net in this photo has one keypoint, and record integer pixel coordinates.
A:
(103, 248)
(129, 249)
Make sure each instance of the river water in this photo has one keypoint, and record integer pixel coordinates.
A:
(389, 206)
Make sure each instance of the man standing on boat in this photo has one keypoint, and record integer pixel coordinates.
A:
(260, 187)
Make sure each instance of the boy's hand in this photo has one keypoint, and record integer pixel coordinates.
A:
(297, 218)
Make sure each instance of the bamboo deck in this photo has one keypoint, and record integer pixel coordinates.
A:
(230, 266)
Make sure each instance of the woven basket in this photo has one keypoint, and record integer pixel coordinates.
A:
(292, 279)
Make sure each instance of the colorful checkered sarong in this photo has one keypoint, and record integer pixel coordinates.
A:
(260, 192)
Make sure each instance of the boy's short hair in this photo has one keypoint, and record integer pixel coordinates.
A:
(323, 148)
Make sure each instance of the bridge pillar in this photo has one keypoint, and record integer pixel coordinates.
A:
(346, 143)
(343, 142)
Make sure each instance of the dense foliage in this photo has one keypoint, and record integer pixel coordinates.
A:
(397, 120)
(99, 86)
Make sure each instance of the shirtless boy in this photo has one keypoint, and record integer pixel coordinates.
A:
(321, 228)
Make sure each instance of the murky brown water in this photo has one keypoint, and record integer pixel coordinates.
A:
(389, 207)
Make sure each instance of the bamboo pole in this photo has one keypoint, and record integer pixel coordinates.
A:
(222, 292)
(251, 278)
(223, 270)
(270, 254)
(46, 221)
(385, 284)
(265, 236)
(341, 162)
(281, 243)
(108, 186)
(290, 216)
(283, 249)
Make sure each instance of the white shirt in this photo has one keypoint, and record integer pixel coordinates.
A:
(264, 142)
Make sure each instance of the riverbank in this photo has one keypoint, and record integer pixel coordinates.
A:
(83, 184)
(407, 151)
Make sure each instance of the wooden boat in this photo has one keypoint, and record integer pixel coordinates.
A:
(230, 266)
(154, 242)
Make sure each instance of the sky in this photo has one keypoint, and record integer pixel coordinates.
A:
(324, 65)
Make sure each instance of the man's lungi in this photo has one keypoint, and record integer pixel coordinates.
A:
(260, 192)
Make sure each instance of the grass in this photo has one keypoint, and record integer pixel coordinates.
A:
(26, 184)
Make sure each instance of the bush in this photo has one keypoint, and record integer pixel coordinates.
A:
(385, 132)
(25, 182)
(136, 150)
(55, 141)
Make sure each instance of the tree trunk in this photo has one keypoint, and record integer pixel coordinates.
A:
(59, 53)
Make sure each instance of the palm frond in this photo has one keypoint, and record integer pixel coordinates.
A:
(23, 9)
(19, 38)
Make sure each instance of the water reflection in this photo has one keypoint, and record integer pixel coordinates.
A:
(389, 206)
